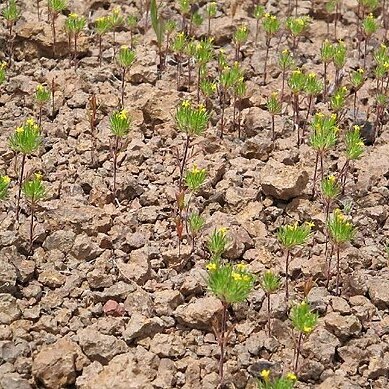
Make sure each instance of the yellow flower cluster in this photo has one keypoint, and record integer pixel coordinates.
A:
(6, 179)
(3, 65)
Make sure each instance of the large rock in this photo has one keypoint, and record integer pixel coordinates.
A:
(343, 327)
(99, 347)
(283, 182)
(199, 313)
(8, 276)
(9, 310)
(56, 365)
(14, 381)
(140, 327)
(379, 292)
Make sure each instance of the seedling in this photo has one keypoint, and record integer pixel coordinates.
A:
(304, 322)
(185, 11)
(55, 8)
(339, 59)
(195, 224)
(285, 382)
(274, 106)
(381, 103)
(370, 26)
(354, 150)
(179, 46)
(74, 24)
(229, 78)
(291, 236)
(125, 58)
(381, 58)
(230, 284)
(120, 125)
(197, 21)
(42, 97)
(11, 14)
(285, 62)
(159, 27)
(25, 140)
(132, 22)
(203, 53)
(340, 231)
(338, 102)
(312, 88)
(357, 79)
(3, 72)
(240, 38)
(239, 92)
(296, 83)
(34, 191)
(364, 7)
(326, 54)
(271, 25)
(270, 283)
(4, 185)
(211, 14)
(170, 27)
(331, 6)
(297, 26)
(102, 26)
(259, 12)
(323, 137)
(116, 20)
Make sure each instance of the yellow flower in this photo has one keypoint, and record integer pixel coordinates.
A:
(201, 108)
(38, 176)
(123, 114)
(213, 87)
(73, 16)
(6, 179)
(361, 71)
(310, 224)
(3, 65)
(185, 104)
(236, 276)
(211, 266)
(223, 230)
(246, 278)
(40, 88)
(285, 51)
(291, 377)
(20, 130)
(312, 75)
(307, 329)
(241, 266)
(30, 122)
(265, 374)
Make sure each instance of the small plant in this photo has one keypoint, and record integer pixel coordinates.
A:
(217, 244)
(312, 88)
(34, 191)
(3, 72)
(370, 27)
(259, 12)
(25, 140)
(304, 322)
(291, 236)
(330, 190)
(120, 125)
(338, 102)
(357, 79)
(125, 58)
(285, 63)
(331, 6)
(239, 92)
(354, 150)
(11, 14)
(240, 38)
(297, 26)
(326, 54)
(132, 22)
(285, 382)
(116, 20)
(339, 59)
(271, 25)
(203, 53)
(55, 8)
(230, 284)
(296, 83)
(324, 136)
(195, 224)
(270, 283)
(274, 106)
(211, 14)
(74, 24)
(4, 185)
(42, 97)
(159, 27)
(102, 26)
(340, 231)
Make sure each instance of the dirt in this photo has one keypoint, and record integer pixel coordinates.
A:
(104, 301)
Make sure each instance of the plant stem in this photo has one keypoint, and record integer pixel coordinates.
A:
(222, 343)
(183, 162)
(329, 267)
(337, 269)
(268, 313)
(298, 350)
(325, 82)
(115, 156)
(100, 49)
(266, 58)
(123, 86)
(315, 174)
(53, 17)
(20, 186)
(273, 135)
(287, 276)
(31, 228)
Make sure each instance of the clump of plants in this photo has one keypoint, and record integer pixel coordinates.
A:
(34, 191)
(304, 322)
(25, 141)
(120, 125)
(291, 236)
(231, 284)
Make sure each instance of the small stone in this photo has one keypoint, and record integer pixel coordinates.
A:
(9, 310)
(8, 276)
(379, 292)
(166, 301)
(342, 327)
(283, 182)
(140, 327)
(60, 240)
(51, 278)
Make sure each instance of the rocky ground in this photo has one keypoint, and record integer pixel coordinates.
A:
(101, 302)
